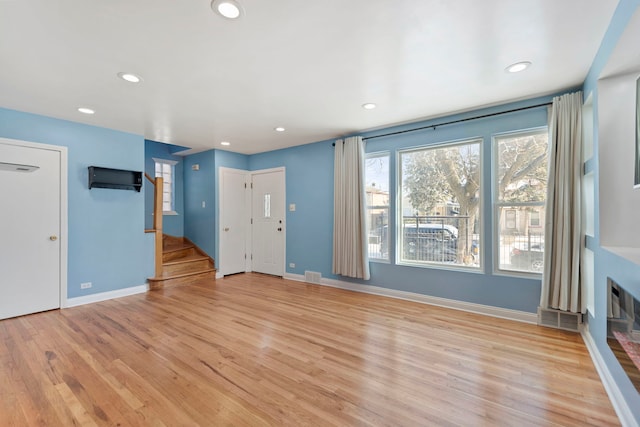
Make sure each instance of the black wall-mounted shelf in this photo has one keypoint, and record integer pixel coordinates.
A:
(114, 178)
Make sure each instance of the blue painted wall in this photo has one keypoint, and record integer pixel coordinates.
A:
(107, 244)
(201, 223)
(171, 224)
(309, 184)
(607, 264)
(199, 186)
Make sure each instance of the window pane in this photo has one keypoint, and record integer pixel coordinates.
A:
(377, 193)
(165, 170)
(534, 219)
(267, 206)
(379, 233)
(440, 205)
(521, 244)
(522, 170)
(521, 193)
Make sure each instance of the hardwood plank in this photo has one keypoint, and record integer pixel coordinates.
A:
(254, 350)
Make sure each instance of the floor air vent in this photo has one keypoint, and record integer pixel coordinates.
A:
(559, 319)
(312, 277)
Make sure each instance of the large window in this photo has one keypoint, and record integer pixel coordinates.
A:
(521, 190)
(440, 190)
(377, 190)
(166, 170)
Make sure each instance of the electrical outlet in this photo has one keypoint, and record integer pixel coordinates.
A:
(85, 285)
(292, 265)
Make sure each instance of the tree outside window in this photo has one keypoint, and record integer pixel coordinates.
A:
(440, 204)
(521, 191)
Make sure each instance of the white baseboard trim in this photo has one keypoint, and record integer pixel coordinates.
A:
(615, 395)
(219, 275)
(103, 296)
(487, 310)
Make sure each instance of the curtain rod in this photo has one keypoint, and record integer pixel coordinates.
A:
(484, 116)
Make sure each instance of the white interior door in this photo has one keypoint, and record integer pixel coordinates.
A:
(234, 221)
(30, 226)
(268, 216)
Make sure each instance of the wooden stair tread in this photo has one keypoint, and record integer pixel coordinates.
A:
(173, 247)
(157, 285)
(186, 274)
(182, 263)
(186, 259)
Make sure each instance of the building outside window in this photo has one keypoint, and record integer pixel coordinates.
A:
(440, 199)
(166, 170)
(520, 194)
(377, 194)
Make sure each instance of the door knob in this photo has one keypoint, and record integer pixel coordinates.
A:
(53, 238)
(226, 229)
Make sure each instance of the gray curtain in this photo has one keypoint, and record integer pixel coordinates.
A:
(561, 280)
(350, 256)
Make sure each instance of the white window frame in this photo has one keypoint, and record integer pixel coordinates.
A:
(390, 228)
(173, 164)
(497, 204)
(399, 217)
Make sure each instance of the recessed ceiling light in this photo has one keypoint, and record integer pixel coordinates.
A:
(518, 66)
(225, 143)
(229, 9)
(85, 110)
(131, 78)
(279, 129)
(369, 106)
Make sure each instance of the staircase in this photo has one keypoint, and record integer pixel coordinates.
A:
(182, 263)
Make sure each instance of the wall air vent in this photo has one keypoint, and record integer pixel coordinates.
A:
(312, 277)
(559, 319)
(114, 178)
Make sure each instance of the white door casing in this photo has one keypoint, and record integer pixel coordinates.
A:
(33, 227)
(234, 221)
(268, 221)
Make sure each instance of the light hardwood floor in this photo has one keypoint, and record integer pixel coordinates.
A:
(253, 350)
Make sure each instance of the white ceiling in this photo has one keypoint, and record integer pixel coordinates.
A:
(305, 65)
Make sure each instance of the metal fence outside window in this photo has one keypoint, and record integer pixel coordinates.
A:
(438, 239)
